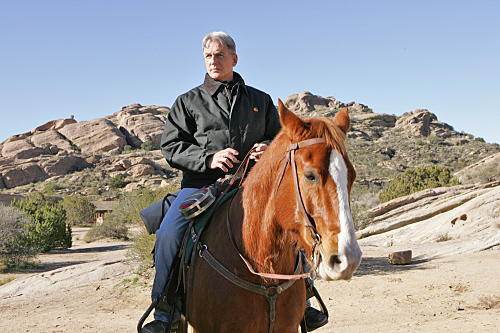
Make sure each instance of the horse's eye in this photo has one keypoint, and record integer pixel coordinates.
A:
(311, 176)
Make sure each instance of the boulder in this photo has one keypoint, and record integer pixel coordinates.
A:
(23, 174)
(53, 137)
(95, 136)
(54, 125)
(416, 122)
(64, 165)
(305, 102)
(140, 124)
(14, 147)
(141, 170)
(400, 257)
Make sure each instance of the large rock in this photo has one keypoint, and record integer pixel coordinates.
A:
(14, 146)
(95, 136)
(416, 122)
(54, 125)
(468, 222)
(51, 136)
(305, 102)
(23, 174)
(64, 165)
(142, 123)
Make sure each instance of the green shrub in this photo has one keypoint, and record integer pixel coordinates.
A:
(148, 145)
(143, 243)
(13, 228)
(49, 229)
(51, 187)
(479, 139)
(414, 180)
(420, 142)
(78, 209)
(434, 139)
(110, 228)
(127, 148)
(117, 181)
(141, 249)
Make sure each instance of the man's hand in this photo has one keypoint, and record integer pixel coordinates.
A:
(223, 159)
(258, 151)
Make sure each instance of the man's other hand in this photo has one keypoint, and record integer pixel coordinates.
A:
(223, 159)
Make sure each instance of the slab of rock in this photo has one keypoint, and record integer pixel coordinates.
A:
(95, 136)
(400, 257)
(52, 137)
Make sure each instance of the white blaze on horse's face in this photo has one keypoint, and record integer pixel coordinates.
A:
(341, 265)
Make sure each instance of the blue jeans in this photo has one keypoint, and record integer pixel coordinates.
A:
(168, 242)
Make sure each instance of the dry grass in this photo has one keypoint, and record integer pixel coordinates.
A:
(489, 302)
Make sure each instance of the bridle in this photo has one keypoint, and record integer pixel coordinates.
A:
(272, 292)
(309, 221)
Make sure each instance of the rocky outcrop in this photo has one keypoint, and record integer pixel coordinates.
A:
(94, 136)
(305, 102)
(53, 137)
(422, 122)
(467, 221)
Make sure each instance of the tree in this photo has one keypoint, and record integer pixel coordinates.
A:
(13, 228)
(49, 229)
(79, 210)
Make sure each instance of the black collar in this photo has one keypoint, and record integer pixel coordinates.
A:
(212, 86)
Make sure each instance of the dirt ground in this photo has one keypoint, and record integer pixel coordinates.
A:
(459, 293)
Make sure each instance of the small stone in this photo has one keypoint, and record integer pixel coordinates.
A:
(400, 258)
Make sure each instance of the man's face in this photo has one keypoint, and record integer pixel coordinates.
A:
(219, 61)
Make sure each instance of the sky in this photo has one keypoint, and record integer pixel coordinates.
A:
(90, 58)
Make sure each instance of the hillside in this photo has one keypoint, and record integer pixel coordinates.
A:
(82, 157)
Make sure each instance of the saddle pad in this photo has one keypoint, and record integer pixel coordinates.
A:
(202, 219)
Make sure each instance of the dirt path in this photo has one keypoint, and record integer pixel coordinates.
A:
(450, 294)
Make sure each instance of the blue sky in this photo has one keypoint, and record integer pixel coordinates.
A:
(91, 58)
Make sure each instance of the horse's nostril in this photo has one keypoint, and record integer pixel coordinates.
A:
(334, 260)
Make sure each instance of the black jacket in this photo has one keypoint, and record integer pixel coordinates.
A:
(202, 122)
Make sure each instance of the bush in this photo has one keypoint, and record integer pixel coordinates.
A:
(78, 209)
(143, 242)
(51, 187)
(141, 249)
(49, 229)
(479, 139)
(148, 145)
(414, 180)
(110, 228)
(13, 228)
(117, 181)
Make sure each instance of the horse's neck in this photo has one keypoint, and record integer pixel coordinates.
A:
(265, 242)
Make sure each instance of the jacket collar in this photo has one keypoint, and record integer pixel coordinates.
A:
(212, 85)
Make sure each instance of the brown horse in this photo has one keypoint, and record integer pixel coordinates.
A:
(269, 228)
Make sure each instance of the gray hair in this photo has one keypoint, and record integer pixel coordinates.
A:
(222, 38)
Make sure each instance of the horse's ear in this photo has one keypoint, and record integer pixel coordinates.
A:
(290, 122)
(342, 120)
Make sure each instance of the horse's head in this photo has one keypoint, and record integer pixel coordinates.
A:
(325, 177)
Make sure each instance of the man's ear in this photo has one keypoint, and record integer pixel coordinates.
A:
(235, 59)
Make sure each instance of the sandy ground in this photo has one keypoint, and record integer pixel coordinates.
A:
(459, 293)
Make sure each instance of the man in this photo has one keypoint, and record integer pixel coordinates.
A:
(206, 131)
